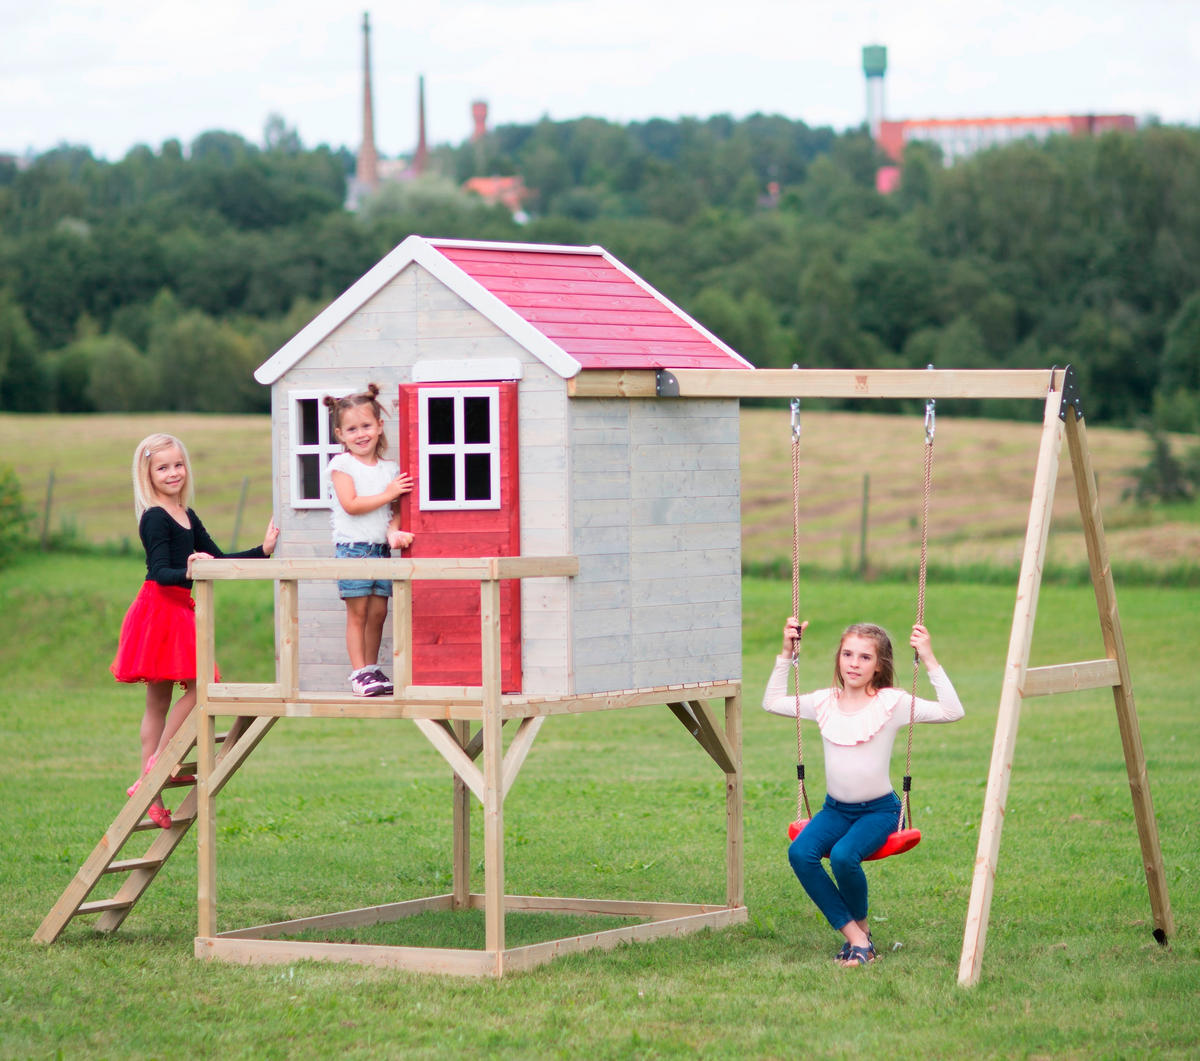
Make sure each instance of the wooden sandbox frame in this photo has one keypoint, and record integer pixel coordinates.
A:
(445, 716)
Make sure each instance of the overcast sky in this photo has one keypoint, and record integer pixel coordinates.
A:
(110, 75)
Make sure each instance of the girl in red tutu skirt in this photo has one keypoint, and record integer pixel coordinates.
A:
(158, 634)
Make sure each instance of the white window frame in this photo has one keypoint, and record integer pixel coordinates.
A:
(326, 445)
(459, 449)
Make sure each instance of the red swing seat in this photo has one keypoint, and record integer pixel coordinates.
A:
(896, 844)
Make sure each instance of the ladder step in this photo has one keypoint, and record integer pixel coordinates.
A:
(104, 904)
(146, 823)
(126, 864)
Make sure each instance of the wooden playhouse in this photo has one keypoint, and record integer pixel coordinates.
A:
(608, 530)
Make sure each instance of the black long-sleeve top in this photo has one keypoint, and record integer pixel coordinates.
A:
(168, 546)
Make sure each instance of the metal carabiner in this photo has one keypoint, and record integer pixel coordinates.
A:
(795, 419)
(929, 416)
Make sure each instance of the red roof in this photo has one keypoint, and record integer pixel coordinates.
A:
(592, 308)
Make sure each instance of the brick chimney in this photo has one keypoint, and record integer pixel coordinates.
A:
(367, 171)
(421, 158)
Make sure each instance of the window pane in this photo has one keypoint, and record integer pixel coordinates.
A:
(310, 476)
(308, 409)
(479, 477)
(476, 422)
(441, 477)
(441, 421)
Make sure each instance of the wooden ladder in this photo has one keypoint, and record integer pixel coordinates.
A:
(232, 749)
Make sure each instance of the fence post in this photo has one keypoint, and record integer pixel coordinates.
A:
(237, 520)
(862, 532)
(46, 513)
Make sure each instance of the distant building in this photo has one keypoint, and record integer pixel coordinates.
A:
(509, 192)
(960, 138)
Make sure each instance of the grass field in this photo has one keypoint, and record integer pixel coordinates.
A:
(329, 815)
(982, 484)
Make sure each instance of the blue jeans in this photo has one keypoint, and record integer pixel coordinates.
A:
(846, 833)
(362, 587)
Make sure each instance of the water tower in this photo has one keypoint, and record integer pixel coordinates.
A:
(874, 60)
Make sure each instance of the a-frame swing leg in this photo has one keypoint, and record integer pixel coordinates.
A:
(1114, 649)
(1000, 771)
(1019, 681)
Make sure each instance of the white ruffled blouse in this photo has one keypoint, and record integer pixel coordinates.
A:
(858, 745)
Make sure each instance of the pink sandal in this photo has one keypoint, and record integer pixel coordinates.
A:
(160, 816)
(149, 766)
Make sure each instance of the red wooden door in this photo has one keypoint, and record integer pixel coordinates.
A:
(459, 442)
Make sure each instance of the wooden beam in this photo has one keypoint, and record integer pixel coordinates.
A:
(1020, 639)
(1071, 677)
(447, 745)
(817, 383)
(469, 568)
(518, 749)
(613, 383)
(1114, 644)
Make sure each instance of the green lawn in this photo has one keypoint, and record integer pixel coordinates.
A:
(329, 815)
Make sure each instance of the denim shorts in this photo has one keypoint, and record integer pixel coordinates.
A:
(362, 587)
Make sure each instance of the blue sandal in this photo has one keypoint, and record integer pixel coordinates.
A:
(844, 954)
(860, 956)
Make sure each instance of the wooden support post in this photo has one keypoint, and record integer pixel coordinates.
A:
(206, 883)
(493, 771)
(461, 855)
(1114, 645)
(734, 843)
(1000, 771)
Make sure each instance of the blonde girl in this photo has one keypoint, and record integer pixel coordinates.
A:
(158, 635)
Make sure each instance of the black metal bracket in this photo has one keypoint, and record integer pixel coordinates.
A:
(1071, 397)
(666, 384)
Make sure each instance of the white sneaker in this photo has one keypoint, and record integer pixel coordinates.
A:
(365, 683)
(385, 683)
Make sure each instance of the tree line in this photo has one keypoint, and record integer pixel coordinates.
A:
(160, 281)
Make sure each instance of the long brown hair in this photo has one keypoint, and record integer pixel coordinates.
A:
(884, 666)
(351, 401)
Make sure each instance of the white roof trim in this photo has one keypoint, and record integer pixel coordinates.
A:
(674, 308)
(467, 371)
(424, 252)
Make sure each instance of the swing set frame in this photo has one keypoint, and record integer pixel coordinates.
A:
(1063, 420)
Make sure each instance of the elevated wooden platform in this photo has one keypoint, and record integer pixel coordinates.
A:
(465, 725)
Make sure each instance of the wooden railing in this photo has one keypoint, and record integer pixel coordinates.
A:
(489, 571)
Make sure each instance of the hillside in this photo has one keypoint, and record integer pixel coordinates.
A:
(982, 486)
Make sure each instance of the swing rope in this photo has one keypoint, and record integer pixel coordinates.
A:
(802, 810)
(905, 836)
(927, 489)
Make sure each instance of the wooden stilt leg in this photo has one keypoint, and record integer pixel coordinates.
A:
(462, 829)
(1000, 770)
(493, 772)
(206, 882)
(734, 844)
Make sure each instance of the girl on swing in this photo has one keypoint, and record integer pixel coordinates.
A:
(859, 718)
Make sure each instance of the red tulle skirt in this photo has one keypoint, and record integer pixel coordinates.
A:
(158, 636)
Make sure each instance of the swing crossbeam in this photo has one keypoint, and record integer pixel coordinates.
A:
(817, 383)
